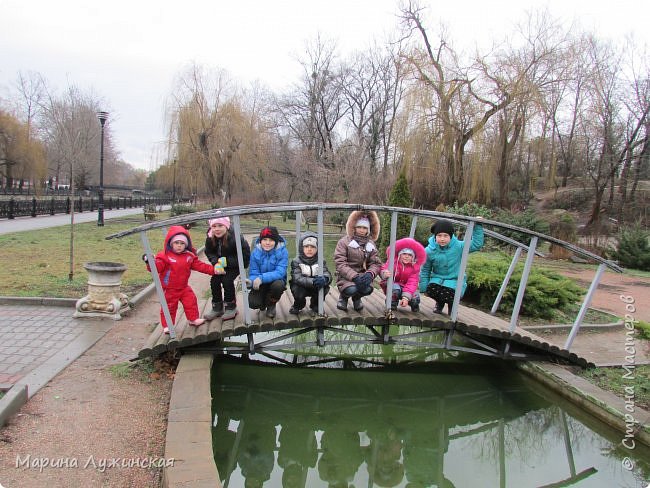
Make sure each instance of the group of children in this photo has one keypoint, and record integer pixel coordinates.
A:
(432, 270)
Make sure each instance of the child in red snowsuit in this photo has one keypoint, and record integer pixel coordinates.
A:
(174, 265)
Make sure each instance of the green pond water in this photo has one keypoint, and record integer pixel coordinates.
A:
(456, 421)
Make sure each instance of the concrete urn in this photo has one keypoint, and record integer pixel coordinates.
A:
(104, 298)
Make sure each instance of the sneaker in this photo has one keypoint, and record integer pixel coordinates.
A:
(270, 311)
(229, 314)
(197, 322)
(165, 330)
(356, 303)
(342, 304)
(294, 310)
(438, 308)
(217, 311)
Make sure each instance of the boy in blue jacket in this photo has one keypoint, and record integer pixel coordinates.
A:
(268, 270)
(439, 274)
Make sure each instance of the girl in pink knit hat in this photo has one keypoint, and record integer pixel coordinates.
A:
(221, 248)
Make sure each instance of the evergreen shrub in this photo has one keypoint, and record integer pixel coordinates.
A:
(633, 250)
(546, 290)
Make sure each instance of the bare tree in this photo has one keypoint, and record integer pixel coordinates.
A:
(72, 135)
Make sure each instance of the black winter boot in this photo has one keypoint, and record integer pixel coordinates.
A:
(217, 311)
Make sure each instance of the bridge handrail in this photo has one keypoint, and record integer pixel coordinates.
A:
(312, 206)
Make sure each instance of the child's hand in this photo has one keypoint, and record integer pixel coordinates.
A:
(403, 302)
(256, 283)
(385, 274)
(319, 281)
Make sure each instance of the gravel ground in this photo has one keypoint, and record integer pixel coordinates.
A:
(100, 428)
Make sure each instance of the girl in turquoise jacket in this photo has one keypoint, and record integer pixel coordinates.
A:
(439, 273)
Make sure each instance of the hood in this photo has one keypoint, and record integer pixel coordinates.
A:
(420, 253)
(371, 215)
(303, 236)
(174, 230)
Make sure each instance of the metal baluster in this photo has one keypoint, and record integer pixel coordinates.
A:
(414, 225)
(506, 280)
(461, 272)
(391, 260)
(242, 270)
(159, 290)
(584, 307)
(321, 251)
(522, 284)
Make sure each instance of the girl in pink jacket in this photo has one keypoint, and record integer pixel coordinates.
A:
(409, 256)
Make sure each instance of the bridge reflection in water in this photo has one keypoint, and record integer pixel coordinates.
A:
(297, 427)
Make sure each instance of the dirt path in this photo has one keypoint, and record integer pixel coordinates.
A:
(612, 286)
(87, 416)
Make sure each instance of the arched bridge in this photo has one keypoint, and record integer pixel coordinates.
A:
(465, 330)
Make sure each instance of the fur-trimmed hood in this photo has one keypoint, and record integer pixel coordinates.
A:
(371, 215)
(418, 249)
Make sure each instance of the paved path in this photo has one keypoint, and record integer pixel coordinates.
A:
(39, 337)
(20, 224)
(36, 342)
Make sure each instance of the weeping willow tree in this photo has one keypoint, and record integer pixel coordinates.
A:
(219, 141)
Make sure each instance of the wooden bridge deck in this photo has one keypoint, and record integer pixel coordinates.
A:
(490, 334)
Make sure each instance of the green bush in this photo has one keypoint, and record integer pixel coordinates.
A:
(471, 210)
(181, 210)
(546, 290)
(633, 250)
(526, 219)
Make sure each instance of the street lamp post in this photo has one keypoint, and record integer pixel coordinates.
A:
(102, 116)
(174, 185)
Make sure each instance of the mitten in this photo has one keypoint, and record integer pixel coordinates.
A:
(363, 280)
(256, 283)
(319, 281)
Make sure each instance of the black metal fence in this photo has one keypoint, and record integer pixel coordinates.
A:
(10, 209)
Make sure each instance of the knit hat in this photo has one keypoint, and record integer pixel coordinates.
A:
(363, 222)
(225, 221)
(271, 233)
(442, 226)
(310, 241)
(407, 250)
(179, 237)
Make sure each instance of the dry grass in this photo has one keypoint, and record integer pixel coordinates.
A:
(37, 263)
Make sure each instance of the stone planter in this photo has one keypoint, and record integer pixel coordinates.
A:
(104, 298)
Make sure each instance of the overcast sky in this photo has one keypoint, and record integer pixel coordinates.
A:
(129, 51)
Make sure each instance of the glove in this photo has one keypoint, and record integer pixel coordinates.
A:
(319, 281)
(363, 280)
(144, 258)
(256, 283)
